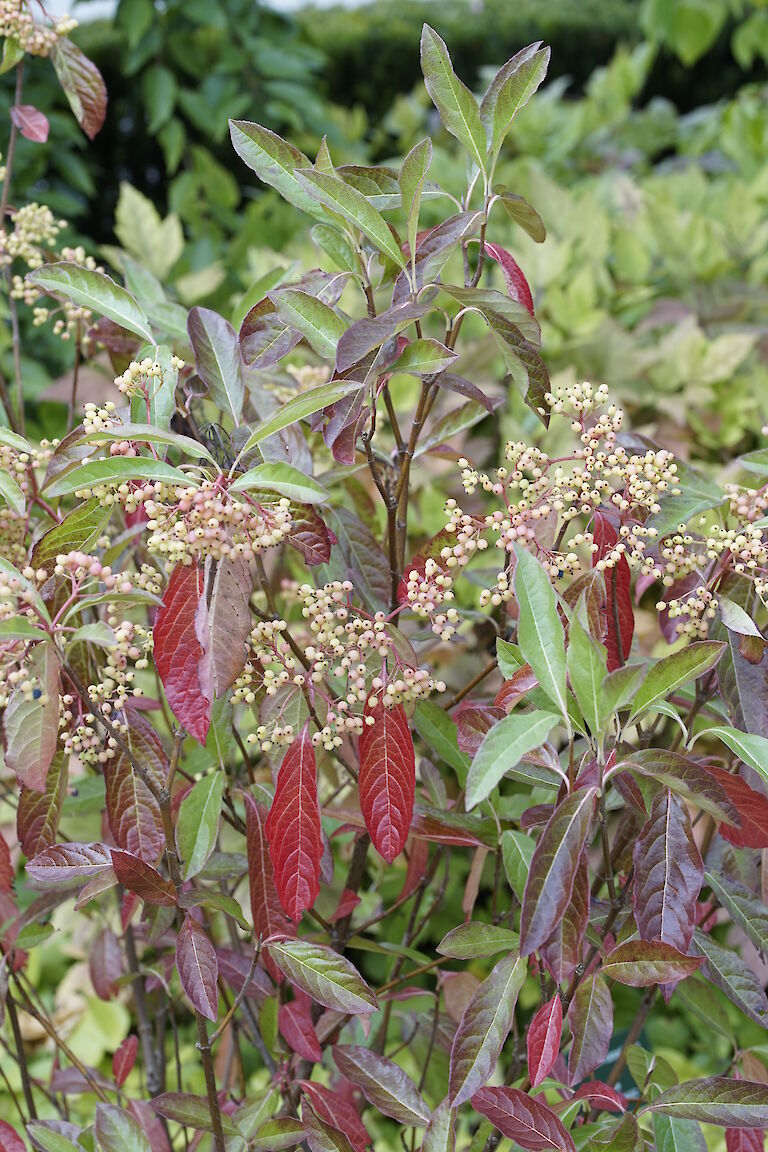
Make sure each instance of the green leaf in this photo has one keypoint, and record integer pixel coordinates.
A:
(211, 898)
(587, 669)
(727, 971)
(438, 731)
(509, 657)
(20, 629)
(457, 106)
(117, 1131)
(98, 633)
(674, 1135)
(473, 939)
(274, 161)
(749, 747)
(502, 749)
(743, 906)
(146, 434)
(354, 207)
(324, 975)
(715, 1100)
(13, 440)
(540, 632)
(517, 850)
(518, 208)
(96, 291)
(298, 408)
(413, 173)
(283, 479)
(156, 243)
(423, 357)
(114, 471)
(321, 327)
(510, 90)
(697, 494)
(197, 826)
(49, 1140)
(191, 1111)
(13, 53)
(12, 494)
(76, 532)
(664, 678)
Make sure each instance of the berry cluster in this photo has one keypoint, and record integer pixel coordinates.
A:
(17, 23)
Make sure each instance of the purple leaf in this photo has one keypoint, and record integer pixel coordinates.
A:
(32, 123)
(483, 1029)
(525, 1119)
(590, 1016)
(668, 874)
(198, 968)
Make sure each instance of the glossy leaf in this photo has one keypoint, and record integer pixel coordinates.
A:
(294, 1021)
(727, 971)
(338, 1111)
(674, 1135)
(457, 106)
(543, 1039)
(669, 674)
(503, 747)
(483, 1029)
(197, 825)
(298, 408)
(525, 1119)
(283, 479)
(178, 651)
(322, 1136)
(191, 1111)
(553, 868)
(715, 1100)
(113, 471)
(293, 828)
(540, 631)
(517, 852)
(617, 611)
(323, 974)
(383, 1083)
(198, 968)
(472, 939)
(688, 778)
(342, 198)
(641, 964)
(273, 160)
(744, 908)
(387, 779)
(94, 290)
(320, 326)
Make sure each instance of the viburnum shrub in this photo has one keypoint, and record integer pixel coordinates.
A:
(387, 824)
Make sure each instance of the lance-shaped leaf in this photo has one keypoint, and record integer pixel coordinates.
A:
(294, 830)
(543, 1040)
(135, 819)
(514, 278)
(411, 179)
(323, 974)
(517, 852)
(590, 1017)
(294, 1022)
(269, 919)
(510, 90)
(283, 479)
(217, 359)
(338, 1111)
(298, 408)
(540, 632)
(198, 968)
(587, 669)
(688, 779)
(31, 719)
(715, 1100)
(117, 1131)
(124, 1059)
(440, 1134)
(642, 963)
(143, 879)
(728, 972)
(179, 652)
(64, 862)
(668, 874)
(10, 1141)
(273, 160)
(553, 868)
(457, 106)
(751, 806)
(348, 202)
(503, 747)
(669, 674)
(82, 83)
(744, 907)
(322, 1136)
(387, 780)
(523, 213)
(748, 746)
(38, 813)
(484, 1027)
(96, 291)
(616, 611)
(383, 1083)
(320, 326)
(371, 332)
(741, 1139)
(472, 939)
(191, 1111)
(525, 1119)
(264, 338)
(223, 622)
(197, 826)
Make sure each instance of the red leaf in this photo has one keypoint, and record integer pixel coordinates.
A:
(418, 860)
(66, 861)
(10, 1141)
(524, 1119)
(198, 968)
(124, 1059)
(295, 1023)
(269, 919)
(517, 285)
(151, 1124)
(544, 1034)
(310, 535)
(83, 85)
(336, 1110)
(744, 1140)
(37, 817)
(6, 867)
(516, 688)
(294, 830)
(105, 964)
(752, 807)
(179, 652)
(348, 901)
(590, 1017)
(143, 879)
(473, 722)
(32, 124)
(134, 815)
(619, 614)
(553, 869)
(668, 874)
(601, 1096)
(387, 778)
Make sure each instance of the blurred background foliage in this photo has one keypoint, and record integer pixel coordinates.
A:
(645, 153)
